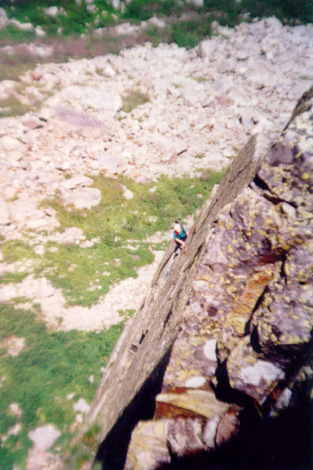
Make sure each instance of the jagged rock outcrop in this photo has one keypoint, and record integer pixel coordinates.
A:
(245, 338)
(223, 342)
(138, 362)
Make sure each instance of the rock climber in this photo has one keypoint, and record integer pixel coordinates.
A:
(180, 236)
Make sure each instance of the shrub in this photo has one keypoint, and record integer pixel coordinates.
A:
(140, 10)
(290, 10)
(188, 33)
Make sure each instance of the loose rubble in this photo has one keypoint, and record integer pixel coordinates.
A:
(204, 104)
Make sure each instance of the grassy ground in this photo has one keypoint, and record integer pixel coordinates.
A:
(54, 365)
(73, 18)
(120, 227)
(40, 379)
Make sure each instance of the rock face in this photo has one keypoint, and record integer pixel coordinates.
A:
(222, 345)
(144, 347)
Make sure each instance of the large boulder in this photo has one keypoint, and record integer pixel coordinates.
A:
(136, 367)
(76, 191)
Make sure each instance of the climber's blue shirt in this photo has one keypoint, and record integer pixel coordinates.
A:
(181, 236)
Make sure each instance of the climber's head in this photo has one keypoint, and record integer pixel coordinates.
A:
(177, 228)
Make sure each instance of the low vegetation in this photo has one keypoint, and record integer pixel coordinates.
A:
(55, 369)
(134, 98)
(120, 229)
(52, 372)
(70, 32)
(77, 17)
(12, 107)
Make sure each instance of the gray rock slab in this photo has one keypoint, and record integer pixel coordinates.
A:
(78, 119)
(106, 161)
(44, 437)
(81, 198)
(81, 406)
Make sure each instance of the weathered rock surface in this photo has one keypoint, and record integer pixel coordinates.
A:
(229, 331)
(97, 98)
(43, 438)
(145, 344)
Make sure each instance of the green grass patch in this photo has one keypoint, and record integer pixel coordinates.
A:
(16, 250)
(90, 439)
(186, 26)
(184, 32)
(230, 12)
(13, 107)
(12, 277)
(119, 229)
(74, 18)
(51, 366)
(119, 225)
(127, 313)
(142, 10)
(134, 98)
(188, 33)
(14, 34)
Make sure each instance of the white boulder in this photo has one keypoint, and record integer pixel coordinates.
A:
(82, 198)
(44, 437)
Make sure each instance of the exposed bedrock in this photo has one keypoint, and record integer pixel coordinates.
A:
(214, 369)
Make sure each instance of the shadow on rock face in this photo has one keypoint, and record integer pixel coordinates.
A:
(112, 452)
(283, 443)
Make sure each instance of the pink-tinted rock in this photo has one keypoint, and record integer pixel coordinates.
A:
(227, 428)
